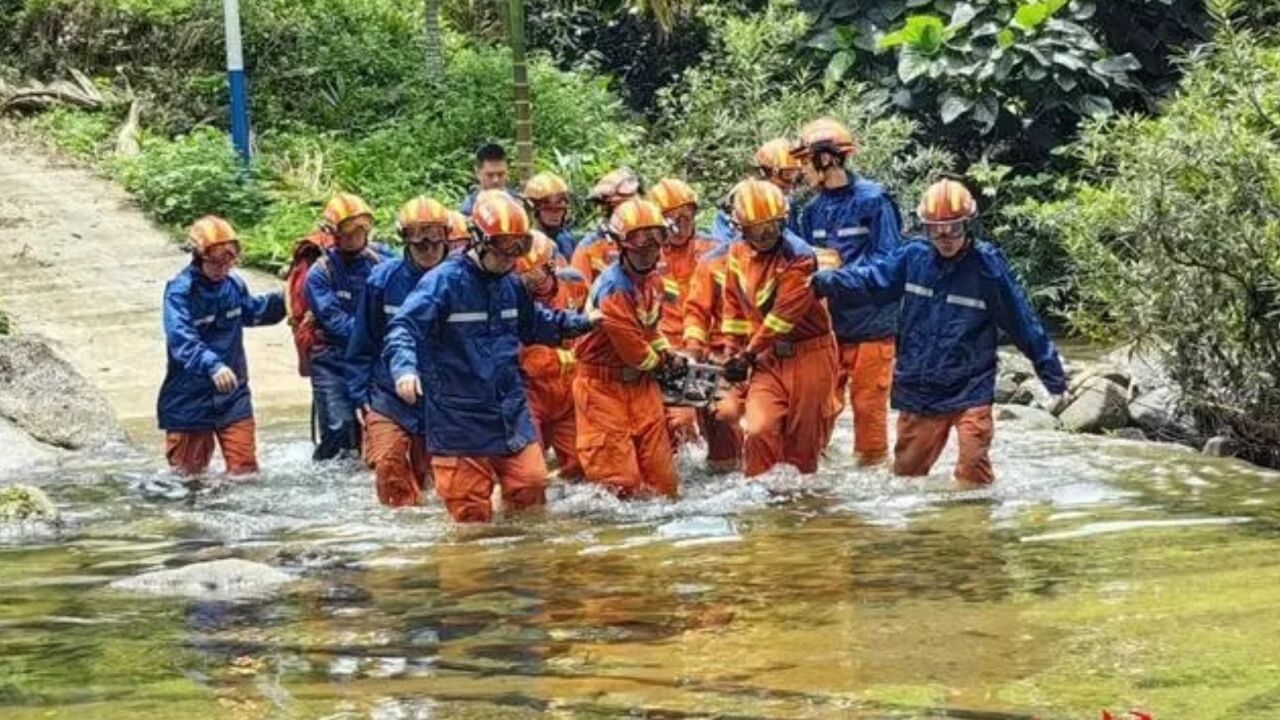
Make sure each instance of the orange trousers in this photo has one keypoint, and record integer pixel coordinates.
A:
(682, 426)
(866, 371)
(623, 441)
(789, 407)
(465, 484)
(399, 459)
(551, 404)
(189, 452)
(921, 439)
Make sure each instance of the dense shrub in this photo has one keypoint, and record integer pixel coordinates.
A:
(1174, 237)
(751, 87)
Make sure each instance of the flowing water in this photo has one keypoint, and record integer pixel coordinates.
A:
(1097, 574)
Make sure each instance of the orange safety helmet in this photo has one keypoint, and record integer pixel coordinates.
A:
(756, 202)
(209, 232)
(946, 201)
(632, 215)
(672, 193)
(497, 213)
(458, 231)
(421, 210)
(776, 155)
(541, 253)
(826, 134)
(343, 207)
(546, 186)
(615, 186)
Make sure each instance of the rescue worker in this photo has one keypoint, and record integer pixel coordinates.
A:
(952, 293)
(774, 162)
(491, 173)
(680, 256)
(393, 431)
(459, 233)
(455, 345)
(333, 289)
(205, 394)
(857, 219)
(597, 250)
(778, 334)
(623, 442)
(549, 195)
(704, 342)
(549, 371)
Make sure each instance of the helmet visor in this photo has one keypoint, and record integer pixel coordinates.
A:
(433, 234)
(512, 246)
(645, 238)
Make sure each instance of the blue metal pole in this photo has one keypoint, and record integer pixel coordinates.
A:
(236, 81)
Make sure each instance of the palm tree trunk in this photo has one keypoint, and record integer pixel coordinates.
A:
(434, 53)
(524, 108)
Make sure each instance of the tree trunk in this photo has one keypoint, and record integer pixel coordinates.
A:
(524, 108)
(434, 52)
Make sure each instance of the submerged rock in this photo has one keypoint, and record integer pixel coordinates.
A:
(1129, 433)
(1029, 418)
(1220, 446)
(1100, 405)
(23, 503)
(229, 579)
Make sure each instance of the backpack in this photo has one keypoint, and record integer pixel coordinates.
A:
(306, 334)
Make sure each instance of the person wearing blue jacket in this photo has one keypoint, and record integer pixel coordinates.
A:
(857, 220)
(393, 432)
(205, 394)
(952, 294)
(333, 288)
(455, 345)
(491, 174)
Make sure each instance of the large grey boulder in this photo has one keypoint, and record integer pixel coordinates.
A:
(42, 395)
(1161, 414)
(18, 451)
(1146, 368)
(1028, 418)
(1099, 405)
(227, 579)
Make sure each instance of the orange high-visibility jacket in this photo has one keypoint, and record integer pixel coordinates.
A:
(542, 362)
(679, 264)
(767, 298)
(628, 308)
(704, 307)
(594, 254)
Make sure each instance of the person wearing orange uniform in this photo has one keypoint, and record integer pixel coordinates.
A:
(549, 371)
(704, 341)
(779, 336)
(597, 250)
(680, 256)
(622, 434)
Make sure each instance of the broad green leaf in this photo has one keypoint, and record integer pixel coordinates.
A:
(1092, 105)
(1066, 82)
(986, 29)
(986, 112)
(1006, 38)
(824, 41)
(1117, 65)
(963, 14)
(839, 65)
(911, 65)
(1032, 15)
(924, 33)
(953, 106)
(1067, 60)
(844, 36)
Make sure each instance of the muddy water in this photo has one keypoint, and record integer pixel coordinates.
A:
(1095, 575)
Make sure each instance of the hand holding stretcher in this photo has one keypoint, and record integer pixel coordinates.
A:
(694, 385)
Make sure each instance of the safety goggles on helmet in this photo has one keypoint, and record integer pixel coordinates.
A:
(644, 238)
(762, 232)
(953, 229)
(431, 234)
(559, 201)
(512, 246)
(222, 254)
(352, 225)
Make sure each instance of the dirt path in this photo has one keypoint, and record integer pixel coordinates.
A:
(81, 266)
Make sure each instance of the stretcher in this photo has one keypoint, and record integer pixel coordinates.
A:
(698, 386)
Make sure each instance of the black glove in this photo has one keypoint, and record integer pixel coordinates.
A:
(671, 368)
(738, 367)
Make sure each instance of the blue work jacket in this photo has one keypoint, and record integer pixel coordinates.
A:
(949, 312)
(204, 325)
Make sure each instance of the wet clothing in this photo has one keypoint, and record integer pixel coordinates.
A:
(950, 311)
(369, 381)
(702, 337)
(921, 439)
(623, 441)
(204, 325)
(865, 374)
(549, 372)
(862, 223)
(677, 268)
(190, 452)
(333, 289)
(465, 484)
(460, 331)
(771, 313)
(595, 252)
(399, 458)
